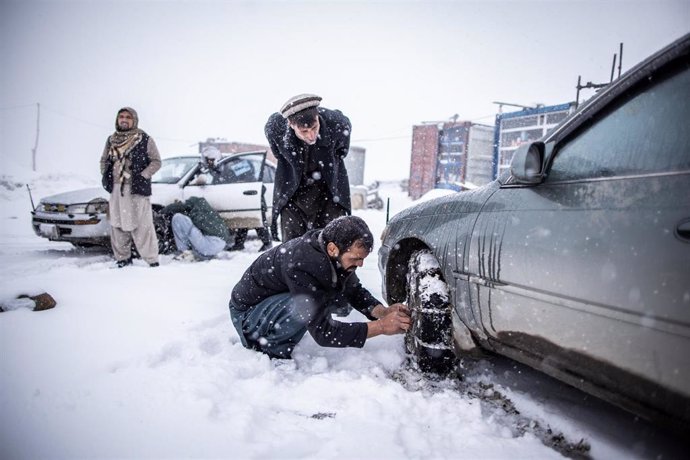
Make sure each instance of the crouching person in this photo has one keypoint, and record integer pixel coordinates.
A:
(199, 231)
(294, 287)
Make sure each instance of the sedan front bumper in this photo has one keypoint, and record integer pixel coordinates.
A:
(72, 228)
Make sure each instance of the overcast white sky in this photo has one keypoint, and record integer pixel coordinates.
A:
(203, 69)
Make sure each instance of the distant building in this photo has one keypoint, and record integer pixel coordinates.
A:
(480, 155)
(515, 128)
(235, 147)
(452, 155)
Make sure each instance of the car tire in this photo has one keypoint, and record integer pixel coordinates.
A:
(80, 245)
(429, 339)
(163, 227)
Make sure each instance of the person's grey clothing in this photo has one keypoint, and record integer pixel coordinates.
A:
(203, 216)
(131, 220)
(187, 236)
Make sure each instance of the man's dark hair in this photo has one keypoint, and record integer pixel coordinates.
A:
(306, 118)
(345, 231)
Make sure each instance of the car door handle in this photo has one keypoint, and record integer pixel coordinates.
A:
(250, 192)
(683, 230)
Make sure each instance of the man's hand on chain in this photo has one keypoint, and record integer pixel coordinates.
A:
(392, 320)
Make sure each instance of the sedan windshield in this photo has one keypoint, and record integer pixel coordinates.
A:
(174, 169)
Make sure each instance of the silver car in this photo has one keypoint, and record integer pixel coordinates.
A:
(241, 193)
(577, 261)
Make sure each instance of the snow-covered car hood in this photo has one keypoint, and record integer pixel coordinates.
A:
(83, 195)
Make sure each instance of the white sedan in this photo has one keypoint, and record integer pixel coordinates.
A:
(241, 192)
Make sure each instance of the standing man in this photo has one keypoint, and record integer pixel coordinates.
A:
(129, 159)
(311, 183)
(294, 287)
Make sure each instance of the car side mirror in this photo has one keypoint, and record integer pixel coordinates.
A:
(528, 160)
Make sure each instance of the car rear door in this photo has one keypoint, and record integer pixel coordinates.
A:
(236, 190)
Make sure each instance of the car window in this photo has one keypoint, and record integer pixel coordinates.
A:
(237, 170)
(645, 134)
(173, 169)
(268, 174)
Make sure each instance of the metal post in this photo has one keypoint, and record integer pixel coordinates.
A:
(388, 209)
(33, 206)
(33, 151)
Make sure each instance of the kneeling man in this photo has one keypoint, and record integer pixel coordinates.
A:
(200, 232)
(293, 288)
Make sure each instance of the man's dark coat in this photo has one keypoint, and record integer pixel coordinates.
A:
(330, 148)
(303, 268)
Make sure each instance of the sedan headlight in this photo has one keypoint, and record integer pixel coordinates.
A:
(97, 206)
(76, 208)
(384, 233)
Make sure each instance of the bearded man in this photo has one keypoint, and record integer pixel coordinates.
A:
(129, 159)
(293, 288)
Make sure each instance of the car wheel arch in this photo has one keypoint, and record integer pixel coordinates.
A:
(397, 268)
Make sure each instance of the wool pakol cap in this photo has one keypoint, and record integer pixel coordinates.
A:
(298, 103)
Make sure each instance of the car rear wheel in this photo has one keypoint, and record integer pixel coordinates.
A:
(80, 245)
(429, 340)
(163, 227)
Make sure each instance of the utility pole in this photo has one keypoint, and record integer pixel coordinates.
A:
(589, 84)
(38, 120)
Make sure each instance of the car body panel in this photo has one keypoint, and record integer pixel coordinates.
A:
(244, 181)
(581, 269)
(52, 218)
(77, 196)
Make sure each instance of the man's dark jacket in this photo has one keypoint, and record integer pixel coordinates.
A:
(140, 161)
(203, 216)
(329, 150)
(302, 267)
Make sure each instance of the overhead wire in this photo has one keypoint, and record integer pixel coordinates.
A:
(192, 142)
(90, 123)
(18, 107)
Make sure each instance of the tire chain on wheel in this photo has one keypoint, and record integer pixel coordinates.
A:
(429, 340)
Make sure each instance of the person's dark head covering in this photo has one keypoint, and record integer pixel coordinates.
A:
(346, 230)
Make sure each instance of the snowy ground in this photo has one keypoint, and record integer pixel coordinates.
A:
(142, 362)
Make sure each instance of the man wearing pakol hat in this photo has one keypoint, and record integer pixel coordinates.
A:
(311, 183)
(129, 159)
